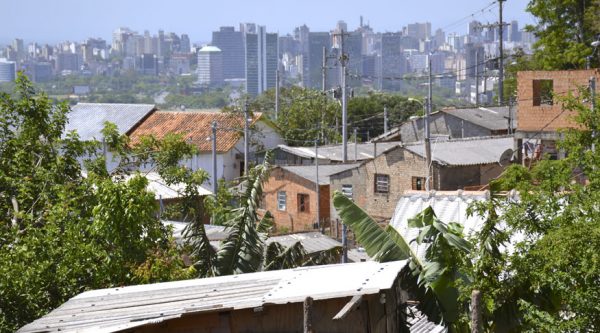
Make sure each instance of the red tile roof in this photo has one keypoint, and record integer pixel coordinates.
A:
(195, 127)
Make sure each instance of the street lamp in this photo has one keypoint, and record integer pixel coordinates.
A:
(588, 59)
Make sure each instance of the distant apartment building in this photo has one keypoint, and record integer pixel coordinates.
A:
(231, 44)
(210, 66)
(41, 72)
(8, 71)
(148, 64)
(393, 62)
(316, 42)
(474, 55)
(67, 62)
(261, 60)
(420, 31)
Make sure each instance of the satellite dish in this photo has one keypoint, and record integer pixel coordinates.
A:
(506, 157)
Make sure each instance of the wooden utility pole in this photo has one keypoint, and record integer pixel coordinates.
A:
(476, 323)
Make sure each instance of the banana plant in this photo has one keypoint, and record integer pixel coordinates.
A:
(432, 278)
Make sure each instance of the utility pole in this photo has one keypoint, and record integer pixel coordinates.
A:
(427, 130)
(477, 78)
(317, 184)
(355, 145)
(593, 105)
(343, 61)
(385, 119)
(501, 49)
(246, 139)
(276, 94)
(324, 70)
(214, 159)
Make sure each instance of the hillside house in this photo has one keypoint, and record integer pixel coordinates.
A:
(377, 185)
(541, 114)
(348, 298)
(454, 123)
(195, 128)
(290, 194)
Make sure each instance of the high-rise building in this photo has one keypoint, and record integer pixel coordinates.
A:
(184, 44)
(8, 71)
(420, 31)
(231, 44)
(261, 60)
(19, 47)
(301, 34)
(148, 64)
(316, 42)
(210, 66)
(67, 62)
(474, 56)
(393, 62)
(514, 35)
(42, 72)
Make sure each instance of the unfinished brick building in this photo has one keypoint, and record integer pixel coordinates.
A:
(541, 114)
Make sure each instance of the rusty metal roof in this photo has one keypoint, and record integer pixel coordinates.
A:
(116, 309)
(195, 127)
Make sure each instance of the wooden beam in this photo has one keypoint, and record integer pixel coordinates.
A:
(308, 315)
(352, 305)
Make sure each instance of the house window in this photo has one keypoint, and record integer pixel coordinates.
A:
(347, 191)
(382, 183)
(303, 203)
(418, 183)
(543, 91)
(281, 200)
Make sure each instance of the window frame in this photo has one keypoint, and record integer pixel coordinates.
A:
(418, 183)
(303, 203)
(381, 186)
(281, 197)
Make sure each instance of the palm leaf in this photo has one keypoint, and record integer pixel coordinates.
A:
(377, 242)
(278, 257)
(325, 257)
(195, 236)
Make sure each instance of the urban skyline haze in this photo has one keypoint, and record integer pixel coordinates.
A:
(76, 20)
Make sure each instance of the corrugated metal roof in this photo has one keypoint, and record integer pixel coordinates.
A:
(471, 151)
(163, 191)
(419, 323)
(215, 233)
(88, 118)
(111, 310)
(492, 118)
(364, 151)
(448, 206)
(195, 127)
(309, 171)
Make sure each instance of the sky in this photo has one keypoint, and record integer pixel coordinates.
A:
(75, 20)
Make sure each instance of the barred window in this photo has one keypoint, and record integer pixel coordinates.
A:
(281, 200)
(382, 183)
(347, 191)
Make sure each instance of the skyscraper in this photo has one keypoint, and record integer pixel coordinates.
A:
(393, 62)
(231, 44)
(420, 31)
(210, 66)
(7, 71)
(261, 60)
(316, 42)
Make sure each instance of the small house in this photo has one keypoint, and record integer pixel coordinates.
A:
(378, 184)
(290, 194)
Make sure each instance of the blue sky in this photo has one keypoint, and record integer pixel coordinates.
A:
(56, 20)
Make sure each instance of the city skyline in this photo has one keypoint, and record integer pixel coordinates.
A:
(100, 19)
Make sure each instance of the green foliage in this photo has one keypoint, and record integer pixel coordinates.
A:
(366, 113)
(62, 233)
(565, 29)
(432, 278)
(304, 114)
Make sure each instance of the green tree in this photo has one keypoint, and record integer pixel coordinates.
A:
(304, 115)
(244, 250)
(62, 233)
(565, 29)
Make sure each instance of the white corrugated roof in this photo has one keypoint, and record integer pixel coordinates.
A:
(448, 206)
(466, 151)
(111, 310)
(364, 151)
(309, 172)
(161, 190)
(88, 118)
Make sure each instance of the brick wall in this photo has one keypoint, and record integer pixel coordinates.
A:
(548, 118)
(291, 218)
